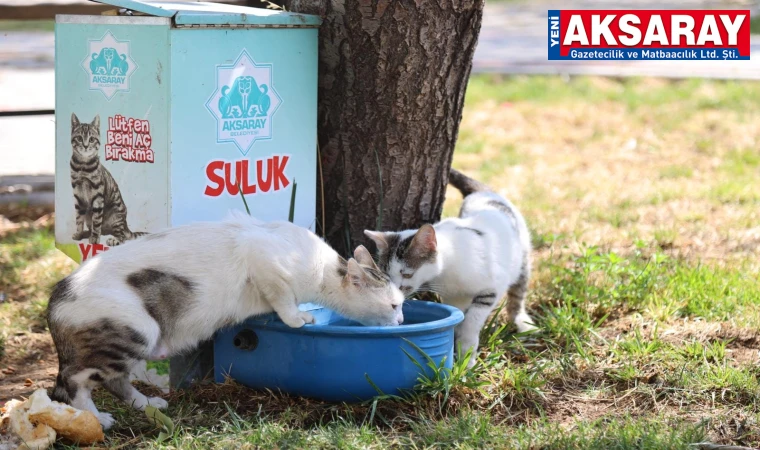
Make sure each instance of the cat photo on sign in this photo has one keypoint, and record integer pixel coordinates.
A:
(100, 208)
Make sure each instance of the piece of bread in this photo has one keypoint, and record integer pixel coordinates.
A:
(31, 436)
(73, 424)
(5, 414)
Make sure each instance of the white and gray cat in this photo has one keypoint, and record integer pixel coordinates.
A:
(166, 292)
(471, 261)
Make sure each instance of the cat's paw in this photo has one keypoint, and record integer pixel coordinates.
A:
(463, 347)
(307, 317)
(105, 419)
(94, 239)
(79, 235)
(113, 242)
(299, 320)
(158, 402)
(524, 323)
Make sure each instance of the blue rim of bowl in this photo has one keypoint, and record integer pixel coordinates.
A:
(454, 318)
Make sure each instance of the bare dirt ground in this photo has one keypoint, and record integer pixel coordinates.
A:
(29, 360)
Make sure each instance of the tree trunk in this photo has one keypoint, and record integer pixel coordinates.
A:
(392, 79)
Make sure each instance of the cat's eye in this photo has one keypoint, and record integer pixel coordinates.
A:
(406, 275)
(395, 307)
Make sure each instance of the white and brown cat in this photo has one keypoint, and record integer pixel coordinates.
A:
(471, 261)
(166, 292)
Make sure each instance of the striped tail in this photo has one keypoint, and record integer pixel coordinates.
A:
(465, 184)
(124, 236)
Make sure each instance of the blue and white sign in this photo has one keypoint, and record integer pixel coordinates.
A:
(109, 65)
(244, 102)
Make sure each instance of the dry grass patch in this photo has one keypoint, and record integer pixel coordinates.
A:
(609, 162)
(29, 266)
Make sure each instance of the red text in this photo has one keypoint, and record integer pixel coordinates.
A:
(227, 176)
(90, 250)
(129, 139)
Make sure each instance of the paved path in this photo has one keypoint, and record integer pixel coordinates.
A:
(27, 145)
(513, 40)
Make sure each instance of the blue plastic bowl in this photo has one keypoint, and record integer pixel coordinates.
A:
(335, 358)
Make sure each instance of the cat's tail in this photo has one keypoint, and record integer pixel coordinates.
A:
(125, 236)
(136, 234)
(465, 184)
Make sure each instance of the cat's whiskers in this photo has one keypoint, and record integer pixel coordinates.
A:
(428, 289)
(435, 288)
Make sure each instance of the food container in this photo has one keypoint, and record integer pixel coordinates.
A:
(337, 359)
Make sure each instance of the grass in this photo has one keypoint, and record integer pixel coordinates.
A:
(634, 94)
(754, 25)
(27, 25)
(29, 266)
(162, 367)
(642, 198)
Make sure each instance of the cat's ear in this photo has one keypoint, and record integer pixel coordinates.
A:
(96, 122)
(355, 274)
(74, 121)
(363, 256)
(379, 238)
(425, 240)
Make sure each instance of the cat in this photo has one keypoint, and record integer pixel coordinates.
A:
(165, 293)
(97, 198)
(471, 261)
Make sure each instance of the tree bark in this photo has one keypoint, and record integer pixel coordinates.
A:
(392, 79)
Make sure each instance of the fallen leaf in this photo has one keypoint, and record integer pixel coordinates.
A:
(158, 418)
(28, 382)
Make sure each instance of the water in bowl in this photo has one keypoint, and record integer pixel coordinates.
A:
(325, 316)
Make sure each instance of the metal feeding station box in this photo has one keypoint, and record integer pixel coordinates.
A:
(165, 111)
